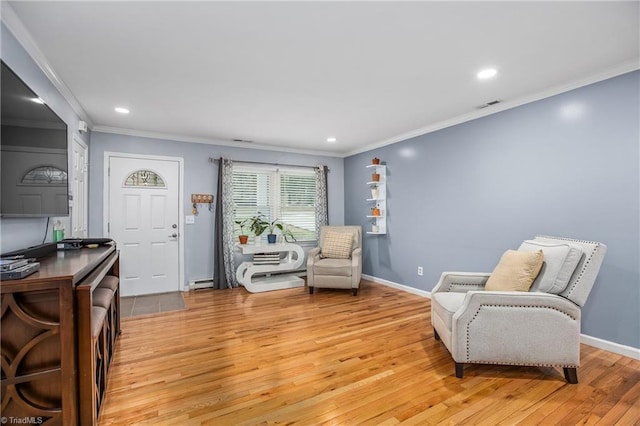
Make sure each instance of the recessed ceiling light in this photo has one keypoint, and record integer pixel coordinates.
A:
(37, 100)
(121, 110)
(487, 73)
(331, 139)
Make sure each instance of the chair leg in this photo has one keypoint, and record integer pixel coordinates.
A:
(354, 291)
(310, 290)
(459, 367)
(436, 335)
(571, 374)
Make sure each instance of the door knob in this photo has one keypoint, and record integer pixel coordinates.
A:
(174, 226)
(174, 235)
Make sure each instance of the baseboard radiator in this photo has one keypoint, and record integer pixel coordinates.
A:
(208, 282)
(201, 283)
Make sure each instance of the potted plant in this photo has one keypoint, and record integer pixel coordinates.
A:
(288, 235)
(375, 211)
(242, 237)
(375, 192)
(257, 224)
(375, 160)
(271, 237)
(375, 177)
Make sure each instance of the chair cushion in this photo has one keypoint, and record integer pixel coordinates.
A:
(560, 260)
(337, 245)
(446, 304)
(337, 267)
(110, 282)
(102, 297)
(98, 315)
(516, 271)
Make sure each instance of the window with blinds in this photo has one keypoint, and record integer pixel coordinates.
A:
(288, 195)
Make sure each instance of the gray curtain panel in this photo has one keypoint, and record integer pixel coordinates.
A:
(322, 204)
(223, 261)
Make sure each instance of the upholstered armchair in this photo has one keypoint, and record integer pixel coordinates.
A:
(337, 261)
(538, 327)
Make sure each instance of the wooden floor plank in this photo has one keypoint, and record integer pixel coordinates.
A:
(330, 358)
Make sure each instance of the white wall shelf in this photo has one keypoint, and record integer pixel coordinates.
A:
(378, 199)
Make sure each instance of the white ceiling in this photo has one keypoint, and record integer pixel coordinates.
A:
(291, 74)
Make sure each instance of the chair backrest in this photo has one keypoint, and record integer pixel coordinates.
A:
(355, 230)
(587, 270)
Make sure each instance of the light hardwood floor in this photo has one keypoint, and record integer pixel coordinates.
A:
(287, 357)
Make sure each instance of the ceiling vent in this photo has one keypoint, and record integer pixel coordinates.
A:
(242, 140)
(488, 104)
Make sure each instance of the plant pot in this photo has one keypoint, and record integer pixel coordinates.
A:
(243, 239)
(375, 211)
(271, 238)
(375, 193)
(375, 228)
(375, 177)
(375, 160)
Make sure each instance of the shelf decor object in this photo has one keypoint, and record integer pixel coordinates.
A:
(378, 187)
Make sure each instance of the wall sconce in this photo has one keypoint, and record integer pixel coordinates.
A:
(201, 199)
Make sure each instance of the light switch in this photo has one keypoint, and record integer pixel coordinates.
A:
(189, 219)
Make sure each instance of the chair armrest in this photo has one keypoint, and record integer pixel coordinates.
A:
(356, 256)
(461, 282)
(356, 267)
(312, 256)
(512, 327)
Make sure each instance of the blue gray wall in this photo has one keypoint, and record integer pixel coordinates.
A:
(20, 233)
(200, 176)
(566, 166)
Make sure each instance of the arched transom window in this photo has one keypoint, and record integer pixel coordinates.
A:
(144, 178)
(45, 175)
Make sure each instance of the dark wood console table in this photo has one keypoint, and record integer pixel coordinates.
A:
(42, 336)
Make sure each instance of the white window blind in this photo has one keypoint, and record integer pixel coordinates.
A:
(285, 194)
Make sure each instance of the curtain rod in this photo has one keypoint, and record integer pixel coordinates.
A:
(212, 160)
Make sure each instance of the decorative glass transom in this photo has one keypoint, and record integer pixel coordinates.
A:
(144, 178)
(45, 175)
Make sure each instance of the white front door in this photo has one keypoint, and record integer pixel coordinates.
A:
(80, 189)
(144, 222)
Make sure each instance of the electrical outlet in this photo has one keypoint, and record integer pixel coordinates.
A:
(420, 271)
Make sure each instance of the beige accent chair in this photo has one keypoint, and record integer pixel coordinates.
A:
(336, 273)
(540, 327)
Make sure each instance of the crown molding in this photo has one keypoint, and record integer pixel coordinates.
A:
(620, 69)
(17, 28)
(20, 32)
(207, 141)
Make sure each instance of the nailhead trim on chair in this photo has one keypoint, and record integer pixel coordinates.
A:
(511, 306)
(528, 364)
(569, 239)
(584, 267)
(586, 262)
(466, 285)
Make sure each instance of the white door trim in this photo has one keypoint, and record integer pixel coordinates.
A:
(85, 219)
(107, 201)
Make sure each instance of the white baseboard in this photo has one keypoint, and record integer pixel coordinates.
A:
(617, 348)
(402, 287)
(606, 345)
